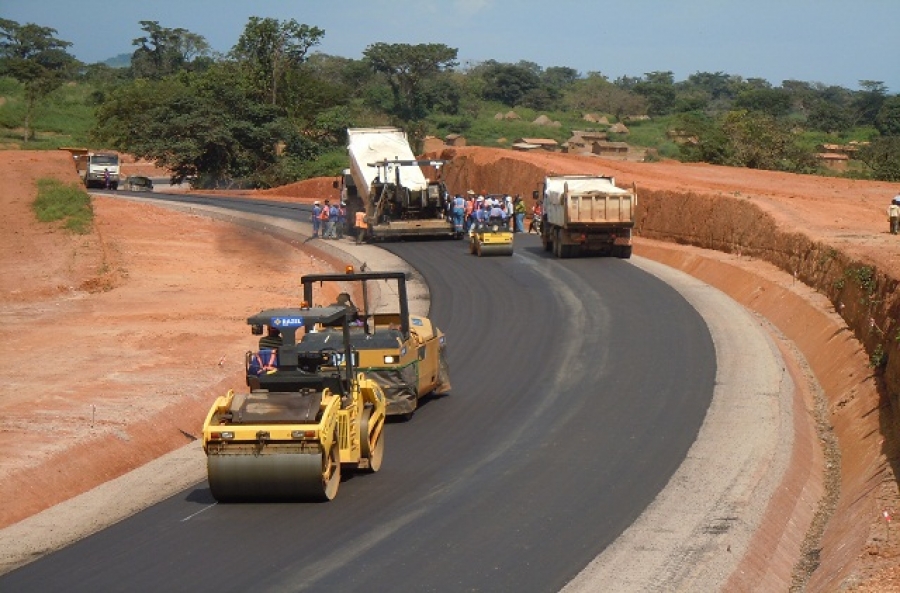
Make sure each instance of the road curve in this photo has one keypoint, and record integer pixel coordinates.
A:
(578, 388)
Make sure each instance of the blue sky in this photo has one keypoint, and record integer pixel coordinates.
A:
(833, 42)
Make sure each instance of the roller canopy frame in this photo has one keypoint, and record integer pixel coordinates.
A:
(289, 320)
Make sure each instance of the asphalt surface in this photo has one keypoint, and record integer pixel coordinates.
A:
(578, 388)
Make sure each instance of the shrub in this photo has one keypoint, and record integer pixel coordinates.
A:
(69, 203)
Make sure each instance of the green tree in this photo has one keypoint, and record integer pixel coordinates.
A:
(829, 117)
(659, 90)
(703, 139)
(559, 78)
(202, 126)
(441, 94)
(163, 51)
(33, 55)
(867, 102)
(715, 84)
(268, 49)
(882, 156)
(508, 83)
(595, 93)
(887, 122)
(406, 68)
(695, 100)
(757, 140)
(774, 102)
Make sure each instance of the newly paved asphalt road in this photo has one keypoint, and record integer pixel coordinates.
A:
(578, 387)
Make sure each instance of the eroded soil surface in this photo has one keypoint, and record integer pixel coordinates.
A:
(115, 342)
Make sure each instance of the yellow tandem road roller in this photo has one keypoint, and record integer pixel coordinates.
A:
(491, 238)
(289, 442)
(404, 353)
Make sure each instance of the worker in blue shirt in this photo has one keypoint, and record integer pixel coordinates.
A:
(459, 212)
(496, 214)
(316, 223)
(330, 225)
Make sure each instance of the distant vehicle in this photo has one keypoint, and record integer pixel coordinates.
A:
(138, 183)
(98, 169)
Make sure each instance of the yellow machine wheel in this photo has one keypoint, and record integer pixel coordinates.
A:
(331, 472)
(248, 477)
(373, 451)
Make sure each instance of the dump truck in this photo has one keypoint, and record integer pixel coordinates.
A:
(308, 415)
(98, 169)
(399, 201)
(404, 353)
(586, 214)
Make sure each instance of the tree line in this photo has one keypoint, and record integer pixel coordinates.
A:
(271, 110)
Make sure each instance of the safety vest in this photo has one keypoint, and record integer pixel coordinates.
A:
(324, 214)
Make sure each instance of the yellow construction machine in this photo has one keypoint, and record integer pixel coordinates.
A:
(491, 238)
(404, 353)
(315, 415)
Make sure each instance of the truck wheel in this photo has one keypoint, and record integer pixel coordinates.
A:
(548, 244)
(557, 246)
(623, 251)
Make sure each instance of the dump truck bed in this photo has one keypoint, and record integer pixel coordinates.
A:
(372, 145)
(574, 201)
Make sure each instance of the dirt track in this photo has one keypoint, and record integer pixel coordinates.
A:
(144, 279)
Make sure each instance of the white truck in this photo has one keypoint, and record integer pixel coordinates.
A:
(399, 201)
(98, 169)
(585, 214)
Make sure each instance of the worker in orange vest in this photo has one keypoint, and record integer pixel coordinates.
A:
(361, 226)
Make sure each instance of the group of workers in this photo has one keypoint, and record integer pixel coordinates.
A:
(330, 220)
(474, 209)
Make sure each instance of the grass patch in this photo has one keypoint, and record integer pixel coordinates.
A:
(68, 203)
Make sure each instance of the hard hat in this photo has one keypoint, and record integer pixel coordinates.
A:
(470, 192)
(316, 203)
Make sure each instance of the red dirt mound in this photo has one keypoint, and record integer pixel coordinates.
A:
(306, 191)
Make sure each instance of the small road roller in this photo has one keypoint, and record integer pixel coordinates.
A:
(491, 238)
(316, 415)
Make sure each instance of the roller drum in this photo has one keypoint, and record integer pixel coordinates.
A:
(489, 250)
(239, 477)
